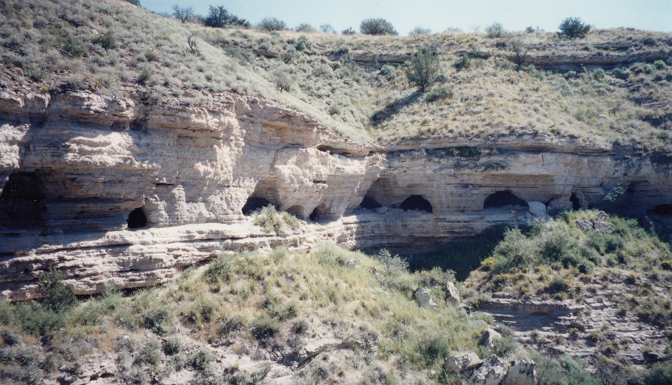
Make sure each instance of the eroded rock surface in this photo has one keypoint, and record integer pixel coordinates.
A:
(108, 195)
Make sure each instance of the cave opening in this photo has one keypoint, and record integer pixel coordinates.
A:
(137, 219)
(22, 201)
(576, 204)
(255, 203)
(503, 199)
(298, 211)
(664, 210)
(416, 202)
(318, 213)
(369, 203)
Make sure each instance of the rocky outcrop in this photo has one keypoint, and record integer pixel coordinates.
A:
(106, 191)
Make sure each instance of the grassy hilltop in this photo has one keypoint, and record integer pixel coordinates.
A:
(356, 83)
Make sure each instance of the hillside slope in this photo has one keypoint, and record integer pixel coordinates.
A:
(113, 47)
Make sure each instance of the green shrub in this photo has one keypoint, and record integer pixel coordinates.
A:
(661, 374)
(183, 14)
(56, 296)
(276, 309)
(265, 327)
(620, 73)
(598, 74)
(172, 346)
(463, 63)
(151, 55)
(557, 285)
(419, 31)
(387, 71)
(495, 30)
(394, 265)
(134, 2)
(666, 265)
(305, 27)
(563, 371)
(149, 354)
(72, 49)
(573, 28)
(377, 27)
(39, 321)
(649, 40)
(219, 17)
(423, 68)
(145, 76)
(106, 41)
(439, 93)
(219, 268)
(159, 321)
(201, 360)
(659, 64)
(433, 349)
(327, 28)
(348, 31)
(271, 24)
(272, 220)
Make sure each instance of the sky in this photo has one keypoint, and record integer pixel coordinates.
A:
(437, 15)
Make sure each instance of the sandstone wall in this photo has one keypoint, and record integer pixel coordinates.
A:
(73, 167)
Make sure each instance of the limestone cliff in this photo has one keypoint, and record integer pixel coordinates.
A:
(106, 190)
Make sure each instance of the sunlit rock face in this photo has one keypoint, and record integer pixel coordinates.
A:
(107, 191)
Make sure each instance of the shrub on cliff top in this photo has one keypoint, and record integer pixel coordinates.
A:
(377, 27)
(573, 28)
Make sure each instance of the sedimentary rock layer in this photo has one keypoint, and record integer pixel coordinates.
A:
(109, 191)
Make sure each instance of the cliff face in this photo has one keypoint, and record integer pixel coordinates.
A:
(109, 191)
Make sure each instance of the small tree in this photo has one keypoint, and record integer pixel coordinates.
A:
(423, 68)
(56, 296)
(271, 24)
(418, 31)
(519, 50)
(219, 17)
(573, 28)
(327, 28)
(377, 27)
(348, 31)
(305, 27)
(183, 14)
(495, 30)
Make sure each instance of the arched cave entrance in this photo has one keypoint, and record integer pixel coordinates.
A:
(369, 203)
(503, 199)
(255, 203)
(22, 201)
(318, 213)
(137, 219)
(416, 202)
(662, 210)
(298, 211)
(576, 203)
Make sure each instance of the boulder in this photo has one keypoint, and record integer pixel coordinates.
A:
(521, 372)
(601, 215)
(488, 337)
(424, 298)
(452, 294)
(491, 372)
(584, 224)
(460, 362)
(603, 227)
(381, 210)
(560, 203)
(538, 209)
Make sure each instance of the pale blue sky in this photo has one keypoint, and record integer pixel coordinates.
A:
(654, 15)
